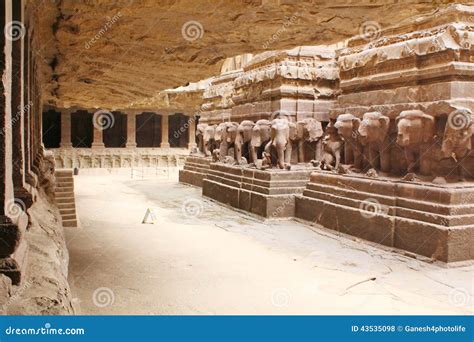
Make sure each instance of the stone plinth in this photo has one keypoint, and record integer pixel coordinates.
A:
(118, 157)
(268, 193)
(436, 221)
(194, 170)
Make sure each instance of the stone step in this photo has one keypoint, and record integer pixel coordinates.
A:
(65, 205)
(64, 197)
(68, 216)
(67, 211)
(64, 183)
(70, 223)
(64, 194)
(65, 189)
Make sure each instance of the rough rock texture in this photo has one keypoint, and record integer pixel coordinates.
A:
(5, 292)
(113, 54)
(45, 290)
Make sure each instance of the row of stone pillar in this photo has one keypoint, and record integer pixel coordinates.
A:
(21, 151)
(98, 142)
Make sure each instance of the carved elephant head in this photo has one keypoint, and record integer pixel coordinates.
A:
(260, 132)
(221, 132)
(232, 131)
(200, 129)
(373, 128)
(347, 126)
(245, 130)
(310, 129)
(209, 133)
(414, 127)
(280, 132)
(458, 133)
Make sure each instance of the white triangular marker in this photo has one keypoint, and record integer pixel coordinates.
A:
(150, 217)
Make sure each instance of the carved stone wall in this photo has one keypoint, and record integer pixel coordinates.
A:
(424, 64)
(300, 83)
(217, 97)
(119, 157)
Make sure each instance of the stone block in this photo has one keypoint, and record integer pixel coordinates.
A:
(432, 220)
(267, 193)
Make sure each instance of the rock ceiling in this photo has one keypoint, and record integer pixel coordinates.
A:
(119, 54)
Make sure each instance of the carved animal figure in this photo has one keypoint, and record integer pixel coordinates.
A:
(415, 131)
(309, 131)
(260, 137)
(347, 126)
(231, 136)
(243, 138)
(209, 142)
(276, 152)
(200, 137)
(457, 137)
(223, 139)
(332, 146)
(374, 136)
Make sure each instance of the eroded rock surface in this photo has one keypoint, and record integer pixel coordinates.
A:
(111, 54)
(45, 290)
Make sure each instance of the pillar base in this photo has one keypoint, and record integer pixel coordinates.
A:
(25, 196)
(192, 145)
(165, 145)
(98, 145)
(131, 145)
(14, 266)
(65, 145)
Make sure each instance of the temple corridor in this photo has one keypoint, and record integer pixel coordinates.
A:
(202, 258)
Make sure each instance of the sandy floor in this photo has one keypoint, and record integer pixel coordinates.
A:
(202, 258)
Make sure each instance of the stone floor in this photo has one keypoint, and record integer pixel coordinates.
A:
(202, 258)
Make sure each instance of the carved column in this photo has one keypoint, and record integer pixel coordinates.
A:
(98, 139)
(192, 132)
(131, 129)
(66, 128)
(164, 131)
(13, 219)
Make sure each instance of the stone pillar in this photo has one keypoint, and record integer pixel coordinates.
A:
(66, 128)
(98, 140)
(164, 131)
(13, 218)
(131, 129)
(192, 132)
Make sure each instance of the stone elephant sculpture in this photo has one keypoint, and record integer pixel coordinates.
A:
(242, 141)
(220, 138)
(457, 138)
(209, 142)
(260, 137)
(347, 126)
(374, 136)
(200, 129)
(415, 132)
(224, 137)
(278, 149)
(309, 131)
